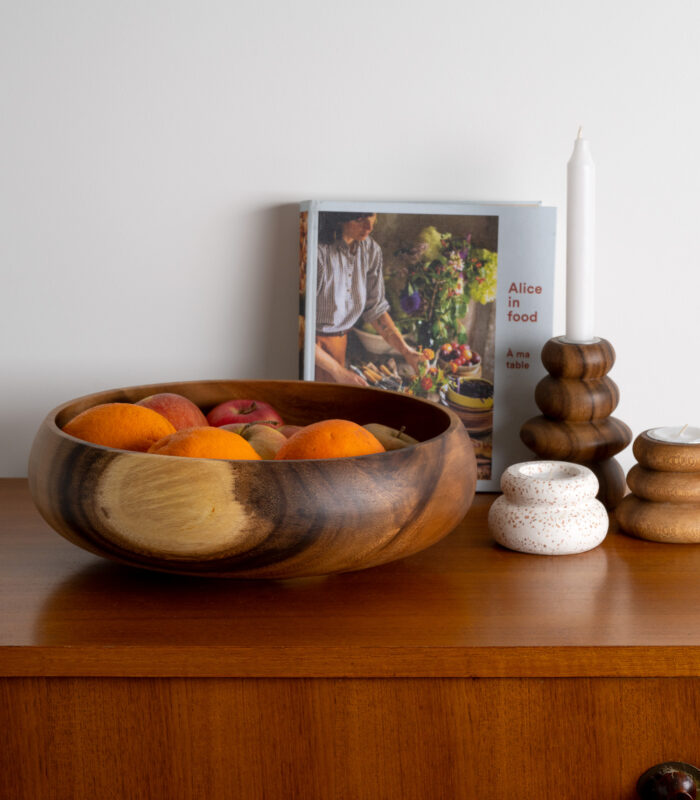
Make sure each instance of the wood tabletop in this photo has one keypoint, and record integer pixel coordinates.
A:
(465, 607)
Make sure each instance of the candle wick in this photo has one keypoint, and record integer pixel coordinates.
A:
(580, 132)
(680, 433)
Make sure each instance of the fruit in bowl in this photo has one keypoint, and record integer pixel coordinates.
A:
(391, 438)
(459, 359)
(238, 410)
(265, 439)
(256, 518)
(180, 411)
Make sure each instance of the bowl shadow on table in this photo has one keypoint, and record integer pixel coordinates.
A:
(140, 607)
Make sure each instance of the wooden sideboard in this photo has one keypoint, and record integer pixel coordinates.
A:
(466, 671)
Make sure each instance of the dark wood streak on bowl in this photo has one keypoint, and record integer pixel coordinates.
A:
(259, 519)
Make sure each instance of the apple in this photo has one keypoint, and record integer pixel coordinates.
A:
(390, 438)
(178, 410)
(232, 411)
(264, 439)
(289, 430)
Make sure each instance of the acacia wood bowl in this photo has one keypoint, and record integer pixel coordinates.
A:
(258, 519)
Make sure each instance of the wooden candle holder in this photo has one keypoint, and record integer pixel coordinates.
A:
(665, 483)
(576, 400)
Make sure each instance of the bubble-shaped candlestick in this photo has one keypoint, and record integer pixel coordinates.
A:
(576, 400)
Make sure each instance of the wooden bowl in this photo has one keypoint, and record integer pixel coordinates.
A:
(258, 519)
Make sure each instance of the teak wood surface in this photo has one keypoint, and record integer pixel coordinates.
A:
(463, 671)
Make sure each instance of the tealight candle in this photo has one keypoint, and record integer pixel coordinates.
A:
(549, 508)
(681, 434)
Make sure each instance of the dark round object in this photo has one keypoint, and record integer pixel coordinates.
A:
(673, 780)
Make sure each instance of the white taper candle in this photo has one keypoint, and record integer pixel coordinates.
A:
(580, 243)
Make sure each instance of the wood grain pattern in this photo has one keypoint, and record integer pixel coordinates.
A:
(461, 608)
(665, 502)
(576, 400)
(579, 442)
(564, 359)
(662, 457)
(259, 519)
(462, 671)
(664, 487)
(660, 522)
(448, 739)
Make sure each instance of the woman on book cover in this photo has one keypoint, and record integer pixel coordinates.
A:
(350, 288)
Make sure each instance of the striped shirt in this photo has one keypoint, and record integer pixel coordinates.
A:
(350, 285)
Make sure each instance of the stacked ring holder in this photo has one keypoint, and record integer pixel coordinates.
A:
(664, 505)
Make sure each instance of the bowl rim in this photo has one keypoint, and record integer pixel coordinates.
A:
(51, 417)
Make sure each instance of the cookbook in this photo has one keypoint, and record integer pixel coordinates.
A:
(451, 302)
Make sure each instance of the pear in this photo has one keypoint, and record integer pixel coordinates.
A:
(391, 438)
(264, 439)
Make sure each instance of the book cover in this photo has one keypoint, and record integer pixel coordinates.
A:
(451, 302)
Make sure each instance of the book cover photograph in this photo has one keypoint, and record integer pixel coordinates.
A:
(447, 302)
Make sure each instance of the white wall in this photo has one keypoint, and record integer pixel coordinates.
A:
(153, 152)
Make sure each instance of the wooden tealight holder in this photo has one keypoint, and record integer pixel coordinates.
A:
(576, 400)
(665, 483)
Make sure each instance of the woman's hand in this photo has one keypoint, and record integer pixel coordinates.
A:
(413, 358)
(349, 377)
(337, 372)
(385, 327)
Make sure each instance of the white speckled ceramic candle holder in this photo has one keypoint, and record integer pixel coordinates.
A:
(549, 508)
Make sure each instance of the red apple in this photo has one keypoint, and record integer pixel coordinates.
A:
(178, 410)
(232, 411)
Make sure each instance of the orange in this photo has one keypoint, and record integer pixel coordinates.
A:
(330, 438)
(122, 425)
(205, 443)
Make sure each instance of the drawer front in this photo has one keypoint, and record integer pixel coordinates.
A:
(410, 739)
